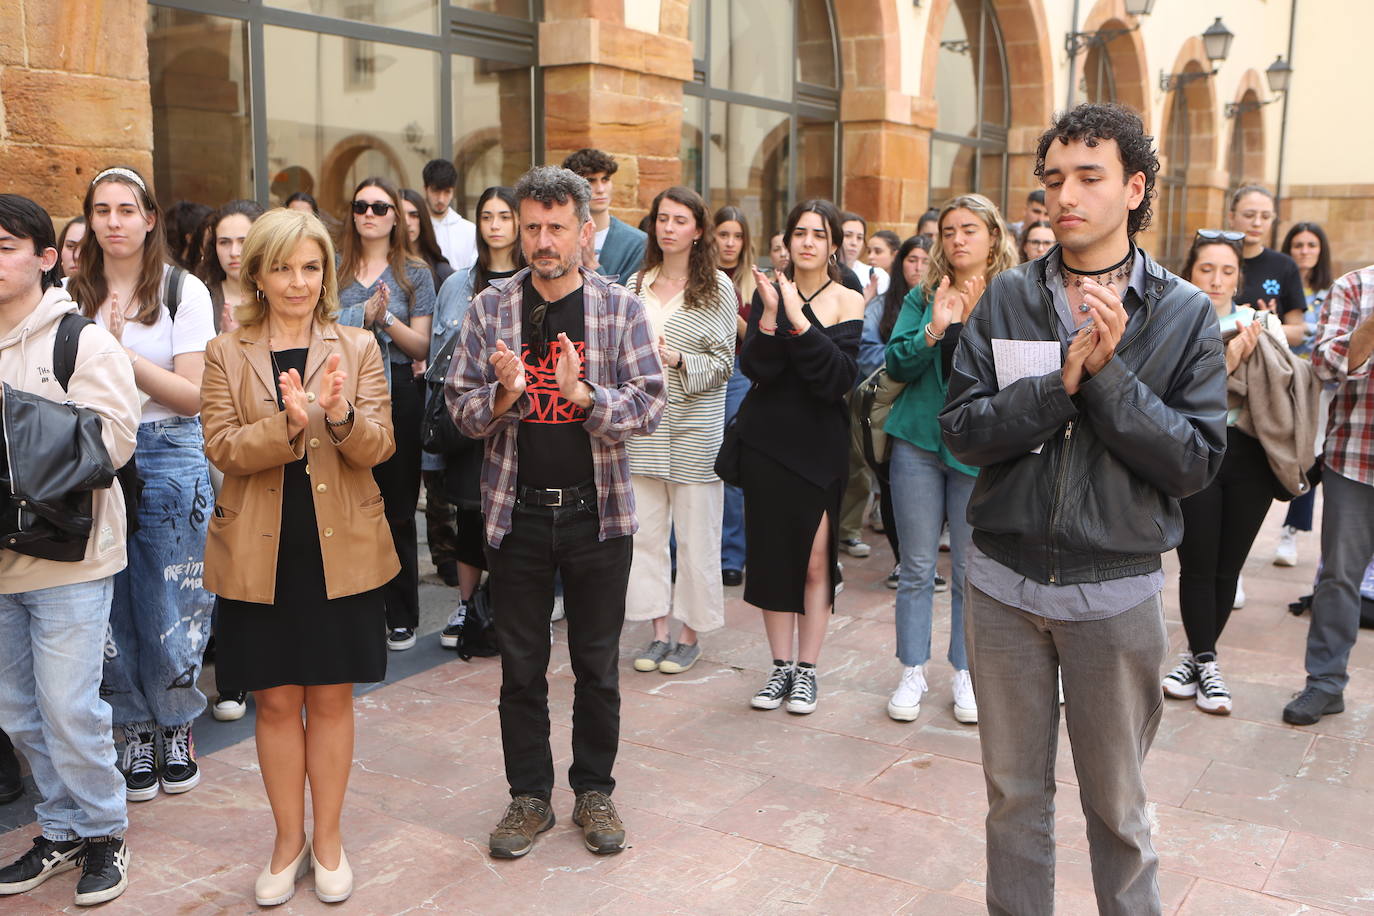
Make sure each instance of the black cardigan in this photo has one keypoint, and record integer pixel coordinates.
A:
(796, 413)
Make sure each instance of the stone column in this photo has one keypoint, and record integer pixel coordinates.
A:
(73, 97)
(616, 89)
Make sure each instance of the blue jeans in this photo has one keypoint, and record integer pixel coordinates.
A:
(732, 524)
(160, 616)
(51, 643)
(925, 493)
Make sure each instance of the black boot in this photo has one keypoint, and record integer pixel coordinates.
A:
(11, 786)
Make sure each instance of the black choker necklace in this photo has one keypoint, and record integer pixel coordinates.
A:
(1120, 272)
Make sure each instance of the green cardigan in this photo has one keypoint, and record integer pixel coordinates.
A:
(915, 415)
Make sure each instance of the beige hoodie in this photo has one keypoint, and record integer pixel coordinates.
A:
(102, 381)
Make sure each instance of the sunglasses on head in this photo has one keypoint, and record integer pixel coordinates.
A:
(1220, 235)
(378, 207)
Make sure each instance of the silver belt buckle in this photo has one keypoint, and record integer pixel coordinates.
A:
(558, 504)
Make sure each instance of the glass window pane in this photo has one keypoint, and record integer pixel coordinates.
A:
(696, 29)
(416, 15)
(816, 167)
(956, 80)
(951, 170)
(995, 109)
(492, 126)
(202, 132)
(749, 153)
(693, 146)
(751, 47)
(518, 9)
(991, 178)
(815, 43)
(339, 110)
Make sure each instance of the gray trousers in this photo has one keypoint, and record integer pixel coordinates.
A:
(1113, 705)
(1347, 545)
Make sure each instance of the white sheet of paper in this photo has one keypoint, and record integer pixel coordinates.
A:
(1018, 359)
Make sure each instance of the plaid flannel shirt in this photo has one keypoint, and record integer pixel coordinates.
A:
(1350, 430)
(622, 368)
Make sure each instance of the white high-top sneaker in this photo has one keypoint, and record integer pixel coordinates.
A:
(905, 704)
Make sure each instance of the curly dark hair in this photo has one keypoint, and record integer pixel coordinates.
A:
(1093, 123)
(589, 162)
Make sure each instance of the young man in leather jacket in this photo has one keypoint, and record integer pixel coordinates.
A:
(54, 614)
(1120, 411)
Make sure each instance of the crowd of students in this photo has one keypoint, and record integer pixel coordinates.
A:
(633, 420)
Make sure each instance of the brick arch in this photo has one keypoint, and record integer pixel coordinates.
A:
(1126, 53)
(1191, 194)
(1245, 160)
(1202, 105)
(332, 195)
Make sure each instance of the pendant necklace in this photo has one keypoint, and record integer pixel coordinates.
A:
(1109, 276)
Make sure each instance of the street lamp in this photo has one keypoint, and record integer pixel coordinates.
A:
(1079, 41)
(1277, 74)
(1216, 44)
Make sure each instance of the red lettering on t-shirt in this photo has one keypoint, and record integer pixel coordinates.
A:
(541, 384)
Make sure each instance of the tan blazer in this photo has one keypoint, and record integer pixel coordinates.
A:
(245, 437)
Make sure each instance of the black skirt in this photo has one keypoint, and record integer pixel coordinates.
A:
(304, 637)
(782, 511)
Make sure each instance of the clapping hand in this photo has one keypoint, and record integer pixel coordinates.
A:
(510, 371)
(666, 354)
(768, 295)
(331, 397)
(294, 401)
(1083, 343)
(568, 374)
(1242, 345)
(1110, 317)
(114, 318)
(792, 303)
(226, 319)
(376, 305)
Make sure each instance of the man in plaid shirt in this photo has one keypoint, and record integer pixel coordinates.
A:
(1345, 340)
(556, 369)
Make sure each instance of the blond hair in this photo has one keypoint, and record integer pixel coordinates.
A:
(270, 242)
(1003, 253)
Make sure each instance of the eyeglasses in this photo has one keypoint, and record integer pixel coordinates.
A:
(1223, 235)
(378, 207)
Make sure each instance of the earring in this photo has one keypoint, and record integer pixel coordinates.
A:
(261, 297)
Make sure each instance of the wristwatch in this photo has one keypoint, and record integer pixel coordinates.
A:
(348, 417)
(388, 319)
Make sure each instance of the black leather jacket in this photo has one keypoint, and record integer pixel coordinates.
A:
(1100, 501)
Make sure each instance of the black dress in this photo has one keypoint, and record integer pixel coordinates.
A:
(305, 637)
(794, 429)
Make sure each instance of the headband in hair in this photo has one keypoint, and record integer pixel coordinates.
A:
(122, 173)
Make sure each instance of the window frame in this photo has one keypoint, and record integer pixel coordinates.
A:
(991, 137)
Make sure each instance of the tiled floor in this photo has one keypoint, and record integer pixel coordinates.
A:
(734, 811)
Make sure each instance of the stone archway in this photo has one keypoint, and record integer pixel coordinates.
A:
(332, 194)
(1192, 190)
(1125, 56)
(1245, 161)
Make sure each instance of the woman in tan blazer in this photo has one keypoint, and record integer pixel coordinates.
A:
(296, 415)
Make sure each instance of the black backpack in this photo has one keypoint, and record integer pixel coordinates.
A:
(64, 350)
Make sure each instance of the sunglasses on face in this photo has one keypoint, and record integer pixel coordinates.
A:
(378, 207)
(1223, 235)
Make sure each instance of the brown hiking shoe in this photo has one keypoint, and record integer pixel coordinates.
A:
(526, 817)
(602, 829)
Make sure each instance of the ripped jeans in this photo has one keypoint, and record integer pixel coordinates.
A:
(160, 615)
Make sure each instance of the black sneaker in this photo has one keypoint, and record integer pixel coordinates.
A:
(452, 633)
(179, 770)
(139, 763)
(778, 687)
(398, 638)
(940, 584)
(45, 859)
(894, 578)
(104, 870)
(1308, 707)
(802, 698)
(11, 782)
(230, 707)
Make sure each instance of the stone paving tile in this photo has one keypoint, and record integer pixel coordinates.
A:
(1209, 898)
(1338, 762)
(1265, 797)
(1323, 873)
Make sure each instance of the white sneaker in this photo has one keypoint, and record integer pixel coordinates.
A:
(965, 706)
(230, 707)
(557, 608)
(1212, 695)
(1286, 554)
(905, 704)
(1240, 595)
(1059, 678)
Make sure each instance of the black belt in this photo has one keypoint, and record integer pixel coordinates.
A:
(553, 498)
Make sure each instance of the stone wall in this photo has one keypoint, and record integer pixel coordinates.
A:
(73, 96)
(1346, 212)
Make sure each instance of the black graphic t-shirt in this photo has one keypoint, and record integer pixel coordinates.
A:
(555, 449)
(1272, 275)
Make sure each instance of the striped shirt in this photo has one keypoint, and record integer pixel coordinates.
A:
(683, 448)
(1350, 430)
(622, 368)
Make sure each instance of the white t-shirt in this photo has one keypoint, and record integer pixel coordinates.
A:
(601, 239)
(457, 238)
(160, 342)
(861, 271)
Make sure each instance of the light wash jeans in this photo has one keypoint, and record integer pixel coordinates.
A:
(1347, 545)
(926, 492)
(732, 524)
(1112, 705)
(51, 645)
(160, 615)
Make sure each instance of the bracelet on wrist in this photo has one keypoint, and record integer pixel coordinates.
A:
(768, 329)
(930, 332)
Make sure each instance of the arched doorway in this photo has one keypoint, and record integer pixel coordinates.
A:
(1187, 200)
(1245, 150)
(1114, 62)
(340, 173)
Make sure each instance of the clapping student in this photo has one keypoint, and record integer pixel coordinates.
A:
(388, 290)
(692, 309)
(160, 615)
(219, 264)
(297, 415)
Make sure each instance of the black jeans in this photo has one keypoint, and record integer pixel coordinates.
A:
(399, 480)
(889, 517)
(543, 542)
(9, 763)
(1219, 527)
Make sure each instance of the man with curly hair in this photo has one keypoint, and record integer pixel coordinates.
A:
(1083, 463)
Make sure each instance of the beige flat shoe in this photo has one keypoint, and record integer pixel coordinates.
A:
(333, 886)
(275, 888)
